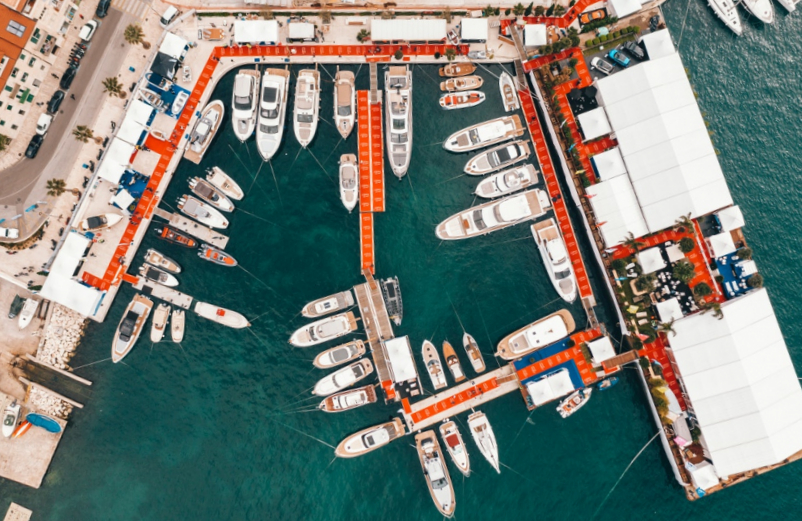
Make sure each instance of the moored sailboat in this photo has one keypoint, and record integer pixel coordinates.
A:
(727, 13)
(763, 10)
(431, 359)
(452, 361)
(485, 438)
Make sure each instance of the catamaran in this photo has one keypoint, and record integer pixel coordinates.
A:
(436, 472)
(201, 136)
(272, 111)
(27, 313)
(350, 399)
(221, 180)
(455, 446)
(398, 97)
(484, 134)
(244, 100)
(211, 194)
(509, 95)
(307, 103)
(134, 317)
(155, 258)
(552, 248)
(177, 325)
(461, 84)
(506, 154)
(343, 378)
(159, 322)
(344, 102)
(507, 182)
(349, 181)
(100, 222)
(202, 212)
(461, 100)
(339, 355)
(574, 402)
(452, 361)
(474, 354)
(370, 439)
(453, 70)
(727, 13)
(324, 330)
(154, 274)
(485, 438)
(431, 358)
(323, 306)
(763, 10)
(536, 335)
(222, 316)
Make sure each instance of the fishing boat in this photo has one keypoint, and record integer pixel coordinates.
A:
(494, 215)
(349, 181)
(431, 358)
(244, 100)
(763, 10)
(134, 317)
(202, 212)
(221, 180)
(323, 306)
(726, 12)
(484, 438)
(607, 383)
(506, 154)
(436, 472)
(398, 98)
(10, 418)
(202, 135)
(507, 182)
(324, 330)
(344, 102)
(272, 111)
(21, 429)
(536, 335)
(16, 306)
(391, 291)
(474, 354)
(455, 446)
(159, 323)
(461, 100)
(210, 194)
(162, 261)
(307, 103)
(349, 399)
(462, 84)
(212, 254)
(484, 134)
(27, 313)
(177, 325)
(370, 439)
(340, 354)
(574, 402)
(100, 222)
(222, 316)
(453, 362)
(168, 234)
(455, 69)
(552, 248)
(343, 378)
(45, 422)
(790, 5)
(509, 94)
(155, 274)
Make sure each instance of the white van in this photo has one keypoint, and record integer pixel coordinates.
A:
(43, 124)
(169, 15)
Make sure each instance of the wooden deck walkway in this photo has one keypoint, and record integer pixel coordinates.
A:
(169, 295)
(371, 168)
(193, 228)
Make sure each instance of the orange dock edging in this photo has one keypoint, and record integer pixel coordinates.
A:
(451, 401)
(574, 353)
(371, 52)
(371, 173)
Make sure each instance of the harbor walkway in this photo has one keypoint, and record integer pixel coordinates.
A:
(371, 168)
(542, 364)
(372, 53)
(174, 297)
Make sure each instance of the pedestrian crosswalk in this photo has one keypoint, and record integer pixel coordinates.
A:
(136, 8)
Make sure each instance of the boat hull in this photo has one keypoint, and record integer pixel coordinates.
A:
(307, 101)
(537, 335)
(244, 121)
(343, 378)
(202, 212)
(224, 183)
(349, 181)
(370, 439)
(509, 96)
(344, 96)
(159, 324)
(324, 330)
(327, 305)
(455, 446)
(462, 100)
(507, 182)
(485, 438)
(177, 325)
(435, 468)
(197, 149)
(124, 341)
(339, 355)
(473, 352)
(434, 366)
(350, 399)
(268, 142)
(222, 316)
(155, 258)
(452, 361)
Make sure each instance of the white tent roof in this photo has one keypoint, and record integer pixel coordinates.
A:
(70, 254)
(61, 287)
(116, 160)
(594, 124)
(674, 253)
(601, 349)
(399, 354)
(140, 112)
(256, 31)
(703, 475)
(609, 164)
(414, 30)
(651, 260)
(658, 44)
(173, 46)
(731, 218)
(622, 8)
(669, 310)
(550, 387)
(741, 383)
(473, 29)
(131, 131)
(722, 244)
(615, 205)
(122, 199)
(301, 30)
(535, 35)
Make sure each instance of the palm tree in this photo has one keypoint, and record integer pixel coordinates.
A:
(113, 86)
(56, 187)
(451, 54)
(631, 242)
(715, 307)
(363, 35)
(686, 223)
(519, 9)
(684, 271)
(83, 133)
(667, 327)
(645, 282)
(4, 142)
(135, 35)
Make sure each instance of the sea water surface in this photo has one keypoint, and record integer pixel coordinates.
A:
(219, 427)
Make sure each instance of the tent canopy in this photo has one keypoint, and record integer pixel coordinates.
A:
(550, 387)
(704, 475)
(731, 218)
(131, 132)
(122, 200)
(174, 46)
(535, 35)
(616, 209)
(140, 112)
(414, 30)
(658, 44)
(255, 31)
(61, 287)
(301, 31)
(669, 310)
(594, 124)
(601, 349)
(473, 29)
(651, 260)
(623, 8)
(609, 164)
(399, 354)
(722, 244)
(165, 66)
(116, 160)
(674, 253)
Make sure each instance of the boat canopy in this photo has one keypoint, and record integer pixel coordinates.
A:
(174, 46)
(730, 218)
(514, 208)
(116, 160)
(601, 349)
(651, 260)
(658, 44)
(623, 8)
(617, 210)
(301, 31)
(593, 124)
(669, 310)
(608, 164)
(535, 35)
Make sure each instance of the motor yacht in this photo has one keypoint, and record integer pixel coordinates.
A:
(456, 448)
(100, 222)
(155, 258)
(398, 102)
(168, 234)
(763, 10)
(324, 330)
(509, 94)
(244, 99)
(436, 472)
(485, 134)
(344, 102)
(452, 361)
(343, 378)
(211, 194)
(349, 181)
(574, 402)
(462, 84)
(27, 313)
(461, 100)
(224, 183)
(370, 439)
(326, 305)
(158, 275)
(506, 154)
(391, 292)
(202, 212)
(130, 327)
(485, 438)
(507, 182)
(177, 325)
(222, 316)
(339, 355)
(474, 354)
(789, 5)
(552, 248)
(272, 111)
(202, 135)
(725, 10)
(159, 323)
(349, 399)
(431, 358)
(307, 104)
(536, 335)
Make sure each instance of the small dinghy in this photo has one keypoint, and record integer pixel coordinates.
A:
(343, 378)
(212, 254)
(226, 185)
(462, 100)
(349, 181)
(211, 194)
(159, 325)
(474, 354)
(453, 70)
(431, 358)
(27, 313)
(21, 429)
(45, 422)
(155, 258)
(455, 446)
(350, 399)
(606, 384)
(177, 325)
(202, 212)
(158, 275)
(10, 418)
(339, 355)
(509, 95)
(461, 84)
(453, 362)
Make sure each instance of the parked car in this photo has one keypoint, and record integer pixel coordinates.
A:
(634, 50)
(67, 77)
(9, 233)
(602, 66)
(102, 8)
(33, 146)
(618, 57)
(88, 30)
(43, 124)
(55, 101)
(169, 15)
(592, 16)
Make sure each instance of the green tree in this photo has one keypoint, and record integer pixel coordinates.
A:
(450, 54)
(572, 62)
(645, 282)
(447, 15)
(398, 54)
(683, 271)
(528, 10)
(83, 133)
(686, 245)
(325, 16)
(4, 142)
(619, 265)
(667, 327)
(744, 253)
(631, 242)
(702, 290)
(488, 11)
(559, 10)
(684, 223)
(113, 86)
(56, 187)
(363, 35)
(715, 307)
(518, 9)
(266, 14)
(755, 281)
(135, 35)
(540, 10)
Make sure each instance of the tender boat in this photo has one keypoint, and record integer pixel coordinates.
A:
(727, 13)
(474, 354)
(349, 181)
(340, 354)
(461, 100)
(155, 258)
(10, 418)
(607, 383)
(452, 439)
(370, 439)
(27, 313)
(507, 182)
(461, 84)
(454, 70)
(221, 180)
(170, 235)
(391, 291)
(484, 437)
(272, 111)
(307, 103)
(763, 10)
(574, 402)
(453, 362)
(210, 194)
(130, 327)
(506, 154)
(398, 102)
(536, 335)
(343, 378)
(324, 330)
(44, 422)
(202, 212)
(222, 316)
(177, 325)
(323, 306)
(202, 135)
(436, 472)
(159, 323)
(494, 215)
(344, 102)
(100, 222)
(212, 254)
(509, 94)
(350, 399)
(244, 100)
(431, 358)
(484, 134)
(155, 274)
(552, 248)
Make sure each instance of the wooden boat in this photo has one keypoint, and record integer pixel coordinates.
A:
(344, 102)
(43, 421)
(154, 258)
(324, 330)
(536, 335)
(307, 104)
(607, 383)
(202, 212)
(130, 326)
(350, 399)
(453, 362)
(343, 378)
(574, 402)
(100, 222)
(370, 439)
(221, 180)
(205, 129)
(21, 429)
(158, 275)
(340, 354)
(461, 84)
(212, 254)
(244, 100)
(177, 325)
(159, 323)
(452, 439)
(211, 194)
(222, 316)
(485, 438)
(431, 358)
(504, 155)
(509, 94)
(173, 236)
(10, 418)
(323, 306)
(349, 181)
(461, 100)
(474, 354)
(456, 69)
(27, 313)
(484, 134)
(507, 182)
(436, 472)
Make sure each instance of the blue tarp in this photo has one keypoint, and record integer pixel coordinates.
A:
(734, 283)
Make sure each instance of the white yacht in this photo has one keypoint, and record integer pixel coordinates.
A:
(506, 154)
(790, 5)
(324, 330)
(494, 215)
(202, 212)
(763, 10)
(158, 275)
(473, 352)
(507, 182)
(727, 13)
(307, 104)
(202, 135)
(343, 378)
(431, 358)
(210, 194)
(177, 325)
(552, 248)
(455, 446)
(339, 355)
(28, 312)
(130, 327)
(350, 399)
(436, 472)
(370, 439)
(536, 335)
(344, 102)
(485, 438)
(222, 316)
(398, 101)
(272, 111)
(349, 181)
(323, 306)
(244, 100)
(509, 94)
(484, 134)
(159, 323)
(223, 181)
(155, 258)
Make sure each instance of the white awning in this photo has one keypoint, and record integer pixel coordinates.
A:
(122, 200)
(473, 29)
(255, 31)
(658, 44)
(131, 132)
(140, 112)
(414, 30)
(301, 31)
(622, 8)
(174, 46)
(593, 124)
(674, 253)
(609, 164)
(116, 160)
(731, 218)
(70, 254)
(669, 310)
(601, 349)
(550, 387)
(535, 35)
(721, 244)
(651, 260)
(59, 285)
(617, 210)
(703, 475)
(401, 362)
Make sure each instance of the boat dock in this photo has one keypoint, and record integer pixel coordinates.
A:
(153, 289)
(371, 164)
(17, 513)
(193, 228)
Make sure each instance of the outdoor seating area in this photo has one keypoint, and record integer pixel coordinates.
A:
(736, 273)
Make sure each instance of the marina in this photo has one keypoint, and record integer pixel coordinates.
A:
(190, 227)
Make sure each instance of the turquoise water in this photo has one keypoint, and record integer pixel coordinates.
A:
(214, 429)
